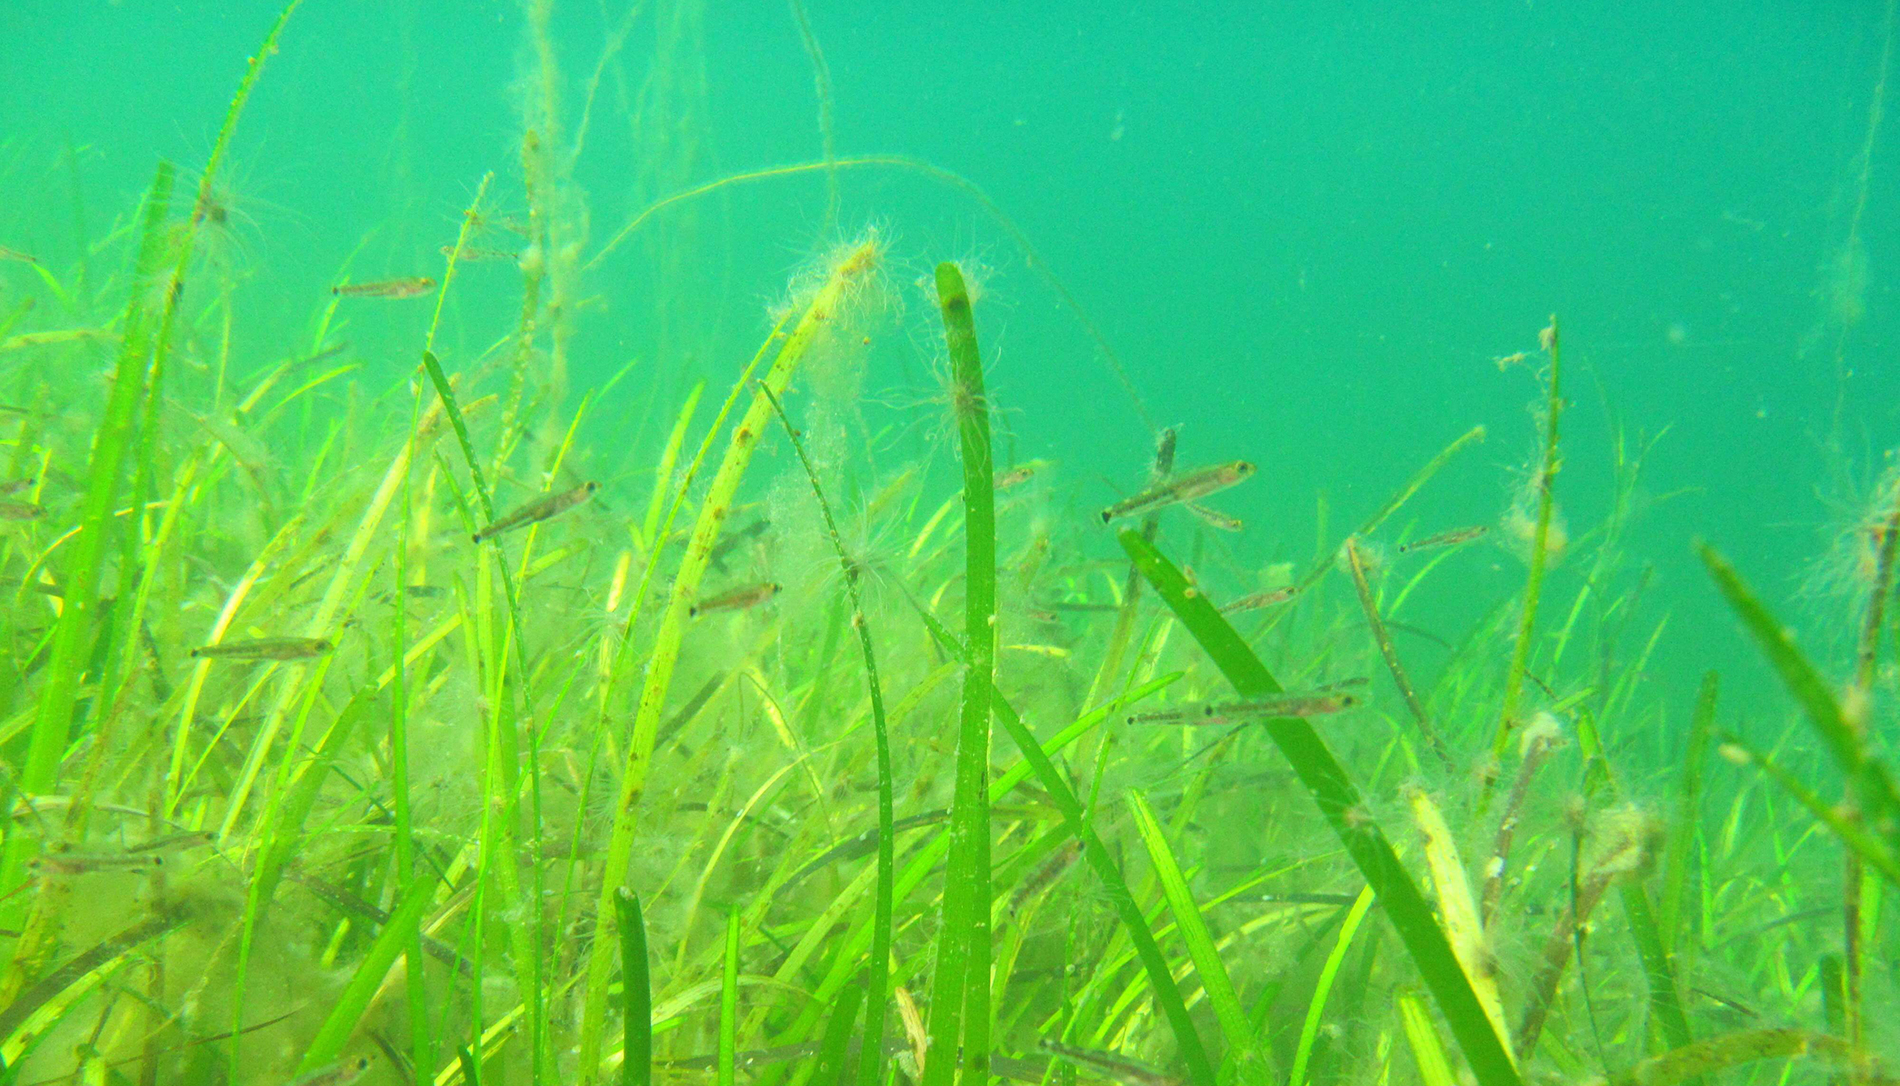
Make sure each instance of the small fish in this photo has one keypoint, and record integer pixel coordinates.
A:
(471, 255)
(265, 648)
(336, 1074)
(509, 223)
(1050, 871)
(540, 509)
(1019, 474)
(81, 863)
(15, 254)
(387, 288)
(1260, 599)
(21, 511)
(1184, 714)
(173, 842)
(732, 540)
(327, 352)
(44, 588)
(1216, 519)
(1186, 487)
(1309, 704)
(739, 599)
(1445, 539)
(1109, 1065)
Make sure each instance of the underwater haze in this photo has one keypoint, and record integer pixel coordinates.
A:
(556, 541)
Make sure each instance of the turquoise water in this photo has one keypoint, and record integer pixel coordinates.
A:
(1312, 238)
(1305, 232)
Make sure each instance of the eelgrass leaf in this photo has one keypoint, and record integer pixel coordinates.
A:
(835, 1049)
(80, 582)
(636, 992)
(421, 1031)
(1422, 1035)
(847, 274)
(449, 407)
(1303, 960)
(876, 979)
(1032, 258)
(1246, 1052)
(1865, 777)
(663, 473)
(471, 1067)
(1539, 548)
(1309, 1030)
(63, 979)
(344, 1014)
(282, 830)
(1140, 933)
(1392, 505)
(502, 736)
(73, 633)
(729, 1003)
(959, 1004)
(1687, 827)
(1102, 862)
(1873, 851)
(1734, 1049)
(1339, 802)
(1659, 971)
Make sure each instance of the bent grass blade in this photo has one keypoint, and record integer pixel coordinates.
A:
(1339, 802)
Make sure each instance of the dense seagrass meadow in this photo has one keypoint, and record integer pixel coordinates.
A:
(475, 670)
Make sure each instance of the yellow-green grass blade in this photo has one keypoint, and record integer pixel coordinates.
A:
(454, 412)
(1540, 552)
(1866, 777)
(636, 992)
(1328, 560)
(1309, 1030)
(1246, 1053)
(499, 838)
(835, 1049)
(848, 274)
(1036, 760)
(1339, 802)
(959, 1004)
(876, 977)
(73, 633)
(344, 1014)
(1659, 971)
(421, 1032)
(1735, 1049)
(1872, 850)
(53, 721)
(663, 472)
(729, 1002)
(930, 855)
(1686, 831)
(72, 979)
(1422, 1035)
